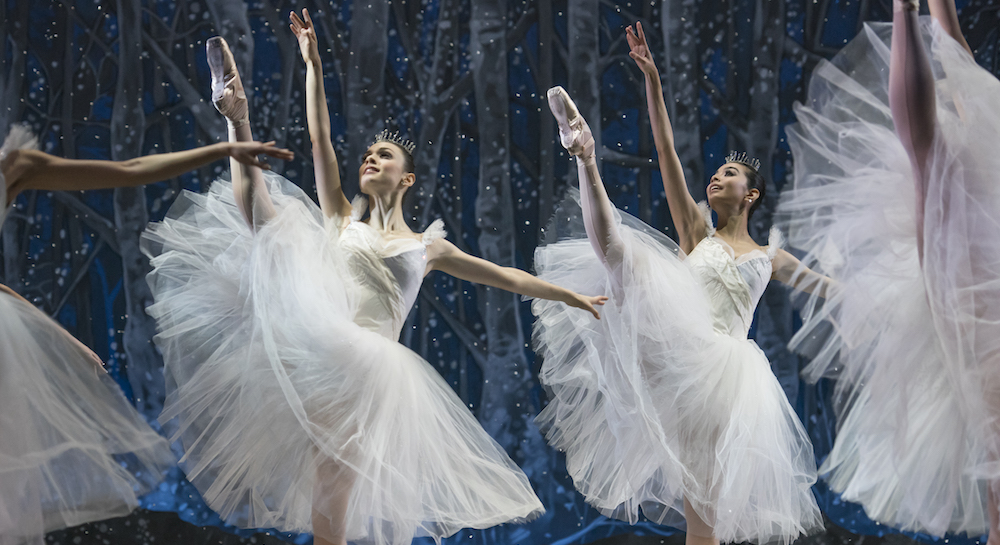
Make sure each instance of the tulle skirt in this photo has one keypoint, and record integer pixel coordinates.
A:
(284, 405)
(916, 347)
(653, 407)
(72, 448)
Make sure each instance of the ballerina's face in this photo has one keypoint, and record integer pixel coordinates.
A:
(729, 187)
(383, 169)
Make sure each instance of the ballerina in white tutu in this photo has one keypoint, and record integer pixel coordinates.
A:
(297, 406)
(896, 198)
(665, 405)
(72, 448)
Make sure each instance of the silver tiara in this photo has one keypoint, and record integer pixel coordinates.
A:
(743, 159)
(386, 136)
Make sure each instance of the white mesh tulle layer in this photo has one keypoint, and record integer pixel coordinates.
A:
(72, 448)
(915, 347)
(651, 405)
(272, 384)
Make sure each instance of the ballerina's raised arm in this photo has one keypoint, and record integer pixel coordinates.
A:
(332, 200)
(688, 220)
(684, 210)
(385, 174)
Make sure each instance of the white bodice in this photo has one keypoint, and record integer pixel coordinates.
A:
(387, 273)
(734, 285)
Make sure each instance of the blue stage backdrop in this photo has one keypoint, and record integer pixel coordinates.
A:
(465, 79)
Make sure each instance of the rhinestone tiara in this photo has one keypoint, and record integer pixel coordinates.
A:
(386, 136)
(743, 159)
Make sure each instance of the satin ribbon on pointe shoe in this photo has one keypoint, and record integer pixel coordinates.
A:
(228, 95)
(574, 133)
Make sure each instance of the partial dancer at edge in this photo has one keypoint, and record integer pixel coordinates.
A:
(65, 427)
(298, 407)
(896, 197)
(665, 405)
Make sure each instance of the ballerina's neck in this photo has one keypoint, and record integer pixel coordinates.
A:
(733, 228)
(386, 214)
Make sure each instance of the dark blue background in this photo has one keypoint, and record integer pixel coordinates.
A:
(735, 67)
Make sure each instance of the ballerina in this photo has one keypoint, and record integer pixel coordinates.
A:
(298, 407)
(65, 427)
(665, 405)
(895, 198)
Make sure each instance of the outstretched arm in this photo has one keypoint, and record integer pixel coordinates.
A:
(331, 195)
(32, 169)
(788, 270)
(912, 98)
(446, 257)
(944, 12)
(684, 211)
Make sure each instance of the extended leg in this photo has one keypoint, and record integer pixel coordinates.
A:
(944, 12)
(231, 101)
(912, 98)
(598, 212)
(330, 501)
(699, 532)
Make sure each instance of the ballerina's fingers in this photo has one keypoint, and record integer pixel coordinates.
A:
(246, 153)
(631, 38)
(297, 23)
(271, 149)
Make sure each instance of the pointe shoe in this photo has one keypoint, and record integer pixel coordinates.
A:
(574, 133)
(227, 87)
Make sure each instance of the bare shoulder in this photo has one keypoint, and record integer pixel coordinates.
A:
(782, 257)
(784, 265)
(441, 248)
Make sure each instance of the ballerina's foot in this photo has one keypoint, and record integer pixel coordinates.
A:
(574, 133)
(227, 87)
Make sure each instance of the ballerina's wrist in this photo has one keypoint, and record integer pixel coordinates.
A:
(587, 159)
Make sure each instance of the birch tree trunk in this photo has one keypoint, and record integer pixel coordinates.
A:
(680, 85)
(12, 70)
(436, 108)
(583, 65)
(774, 326)
(547, 125)
(144, 366)
(365, 81)
(232, 22)
(506, 375)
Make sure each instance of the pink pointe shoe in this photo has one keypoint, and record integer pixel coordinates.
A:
(227, 87)
(574, 133)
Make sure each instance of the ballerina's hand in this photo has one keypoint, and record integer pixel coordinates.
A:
(306, 33)
(639, 49)
(247, 152)
(588, 303)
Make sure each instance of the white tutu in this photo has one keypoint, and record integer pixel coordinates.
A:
(72, 448)
(269, 378)
(915, 348)
(653, 405)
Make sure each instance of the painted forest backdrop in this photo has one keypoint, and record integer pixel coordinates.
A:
(465, 79)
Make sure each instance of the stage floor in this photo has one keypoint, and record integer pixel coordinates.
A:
(166, 528)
